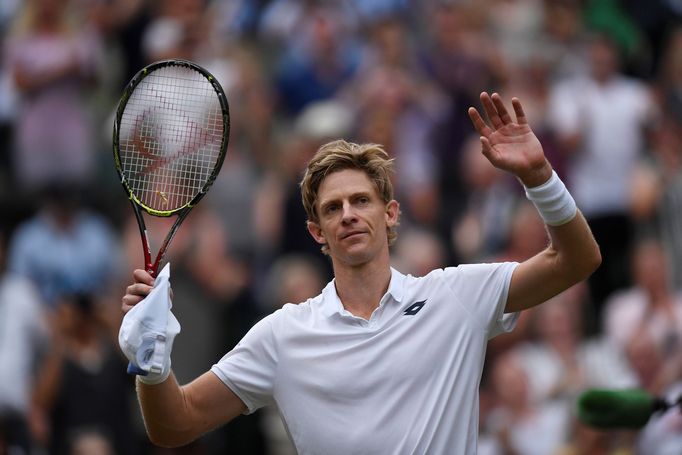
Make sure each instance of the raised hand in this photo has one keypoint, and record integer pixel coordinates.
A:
(510, 145)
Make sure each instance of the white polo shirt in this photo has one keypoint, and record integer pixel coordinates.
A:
(404, 382)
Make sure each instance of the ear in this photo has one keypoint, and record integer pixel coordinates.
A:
(392, 213)
(316, 232)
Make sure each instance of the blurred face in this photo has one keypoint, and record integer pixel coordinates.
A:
(50, 8)
(650, 267)
(510, 382)
(604, 59)
(556, 321)
(353, 218)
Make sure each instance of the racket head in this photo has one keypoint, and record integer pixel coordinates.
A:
(170, 136)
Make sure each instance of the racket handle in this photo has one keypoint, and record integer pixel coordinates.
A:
(135, 370)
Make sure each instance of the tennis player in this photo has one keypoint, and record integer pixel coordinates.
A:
(380, 362)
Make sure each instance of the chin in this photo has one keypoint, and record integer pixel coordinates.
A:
(355, 257)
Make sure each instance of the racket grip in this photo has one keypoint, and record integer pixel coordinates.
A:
(135, 370)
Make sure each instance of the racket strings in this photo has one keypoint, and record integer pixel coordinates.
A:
(170, 137)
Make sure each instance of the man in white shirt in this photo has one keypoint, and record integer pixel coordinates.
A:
(602, 121)
(379, 362)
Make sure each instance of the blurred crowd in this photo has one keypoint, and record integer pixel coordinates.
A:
(601, 83)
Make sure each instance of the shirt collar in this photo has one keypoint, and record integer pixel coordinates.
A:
(331, 303)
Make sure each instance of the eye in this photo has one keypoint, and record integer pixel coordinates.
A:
(331, 208)
(363, 200)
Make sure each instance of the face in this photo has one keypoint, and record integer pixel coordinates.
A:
(353, 218)
(604, 59)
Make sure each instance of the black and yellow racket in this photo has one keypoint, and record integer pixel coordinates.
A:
(170, 138)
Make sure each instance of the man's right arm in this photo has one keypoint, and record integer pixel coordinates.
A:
(175, 415)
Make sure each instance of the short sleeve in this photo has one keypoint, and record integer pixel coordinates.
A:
(483, 289)
(249, 369)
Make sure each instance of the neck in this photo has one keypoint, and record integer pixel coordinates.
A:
(361, 288)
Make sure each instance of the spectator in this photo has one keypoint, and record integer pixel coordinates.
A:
(65, 248)
(563, 360)
(24, 340)
(516, 423)
(419, 251)
(601, 124)
(650, 304)
(83, 386)
(318, 60)
(51, 60)
(390, 89)
(663, 433)
(481, 229)
(462, 60)
(659, 198)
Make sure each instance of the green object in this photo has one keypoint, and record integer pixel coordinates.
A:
(608, 17)
(610, 409)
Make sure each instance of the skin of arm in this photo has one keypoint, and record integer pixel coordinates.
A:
(573, 254)
(176, 415)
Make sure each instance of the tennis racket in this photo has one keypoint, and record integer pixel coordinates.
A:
(170, 139)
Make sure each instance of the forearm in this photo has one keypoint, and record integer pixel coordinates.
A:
(176, 415)
(575, 250)
(166, 413)
(572, 255)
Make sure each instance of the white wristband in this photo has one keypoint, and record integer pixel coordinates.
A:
(553, 201)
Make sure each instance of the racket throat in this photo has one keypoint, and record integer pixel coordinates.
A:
(149, 266)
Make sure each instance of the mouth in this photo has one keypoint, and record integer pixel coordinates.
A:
(352, 234)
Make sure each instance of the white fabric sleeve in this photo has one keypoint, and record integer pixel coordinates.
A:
(249, 369)
(482, 290)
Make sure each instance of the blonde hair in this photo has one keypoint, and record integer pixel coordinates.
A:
(339, 155)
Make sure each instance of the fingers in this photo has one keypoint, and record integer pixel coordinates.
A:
(137, 291)
(496, 111)
(518, 111)
(142, 276)
(501, 109)
(488, 150)
(491, 110)
(479, 124)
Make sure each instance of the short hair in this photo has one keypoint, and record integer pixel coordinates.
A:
(340, 155)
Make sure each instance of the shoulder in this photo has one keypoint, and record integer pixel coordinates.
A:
(94, 222)
(464, 277)
(632, 299)
(15, 285)
(634, 88)
(30, 228)
(480, 271)
(296, 312)
(20, 294)
(567, 87)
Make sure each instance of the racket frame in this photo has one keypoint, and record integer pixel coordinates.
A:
(152, 267)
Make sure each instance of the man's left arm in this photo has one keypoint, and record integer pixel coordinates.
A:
(573, 254)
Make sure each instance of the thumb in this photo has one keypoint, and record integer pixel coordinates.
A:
(488, 151)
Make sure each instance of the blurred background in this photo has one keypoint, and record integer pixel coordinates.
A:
(601, 82)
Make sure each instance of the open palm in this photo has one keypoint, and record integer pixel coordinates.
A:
(510, 145)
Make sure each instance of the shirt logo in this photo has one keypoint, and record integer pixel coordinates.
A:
(414, 308)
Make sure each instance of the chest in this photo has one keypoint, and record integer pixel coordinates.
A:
(402, 351)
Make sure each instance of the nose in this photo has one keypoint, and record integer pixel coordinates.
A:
(349, 216)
